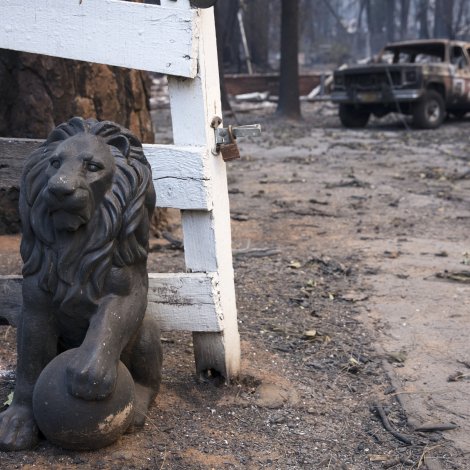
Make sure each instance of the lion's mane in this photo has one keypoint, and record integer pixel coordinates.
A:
(116, 235)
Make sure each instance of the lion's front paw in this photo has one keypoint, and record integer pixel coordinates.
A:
(18, 430)
(91, 378)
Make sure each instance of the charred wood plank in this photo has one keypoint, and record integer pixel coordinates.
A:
(12, 157)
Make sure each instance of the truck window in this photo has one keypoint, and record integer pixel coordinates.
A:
(457, 57)
(427, 58)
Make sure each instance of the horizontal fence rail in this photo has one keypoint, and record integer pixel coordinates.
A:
(180, 174)
(183, 301)
(111, 32)
(186, 301)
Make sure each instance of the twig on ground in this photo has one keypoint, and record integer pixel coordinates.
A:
(426, 451)
(305, 212)
(255, 252)
(164, 459)
(175, 243)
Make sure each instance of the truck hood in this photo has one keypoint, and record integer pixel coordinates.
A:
(377, 68)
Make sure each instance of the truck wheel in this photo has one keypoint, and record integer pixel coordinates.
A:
(429, 112)
(353, 117)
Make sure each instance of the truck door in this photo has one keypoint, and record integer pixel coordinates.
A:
(460, 93)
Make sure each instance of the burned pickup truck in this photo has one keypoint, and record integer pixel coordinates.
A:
(425, 79)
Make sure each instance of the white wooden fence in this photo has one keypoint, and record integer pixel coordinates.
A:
(180, 41)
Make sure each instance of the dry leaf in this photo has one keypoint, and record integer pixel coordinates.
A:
(9, 399)
(310, 334)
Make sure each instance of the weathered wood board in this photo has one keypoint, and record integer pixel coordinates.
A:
(12, 153)
(188, 302)
(112, 32)
(185, 302)
(10, 298)
(180, 174)
(12, 156)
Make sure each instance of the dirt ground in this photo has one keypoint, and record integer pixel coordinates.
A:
(350, 254)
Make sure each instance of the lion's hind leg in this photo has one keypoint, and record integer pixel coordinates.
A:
(144, 360)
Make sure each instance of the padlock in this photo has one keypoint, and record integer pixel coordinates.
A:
(230, 150)
(225, 138)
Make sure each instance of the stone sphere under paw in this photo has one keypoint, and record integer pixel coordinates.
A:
(77, 424)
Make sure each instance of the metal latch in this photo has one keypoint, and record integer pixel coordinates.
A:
(225, 138)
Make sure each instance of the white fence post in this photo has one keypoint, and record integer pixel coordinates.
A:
(207, 235)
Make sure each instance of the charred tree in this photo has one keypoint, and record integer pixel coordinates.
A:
(390, 19)
(422, 16)
(307, 28)
(443, 19)
(219, 29)
(376, 24)
(257, 30)
(228, 35)
(39, 92)
(404, 15)
(289, 99)
(461, 17)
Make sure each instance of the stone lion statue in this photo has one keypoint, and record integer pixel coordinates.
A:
(85, 203)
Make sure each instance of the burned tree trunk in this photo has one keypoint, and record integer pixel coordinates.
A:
(228, 34)
(443, 19)
(219, 29)
(422, 14)
(38, 92)
(376, 24)
(257, 30)
(404, 14)
(289, 100)
(390, 20)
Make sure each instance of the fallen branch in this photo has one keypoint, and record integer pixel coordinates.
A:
(433, 427)
(386, 423)
(305, 213)
(174, 242)
(457, 276)
(352, 183)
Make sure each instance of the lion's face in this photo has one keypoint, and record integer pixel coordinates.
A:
(85, 203)
(80, 171)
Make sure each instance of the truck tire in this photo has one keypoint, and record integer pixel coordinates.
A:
(429, 112)
(353, 117)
